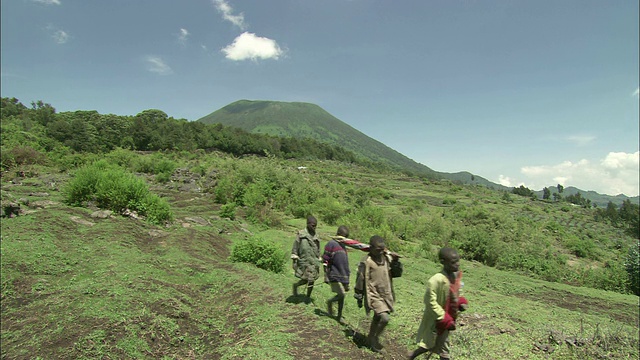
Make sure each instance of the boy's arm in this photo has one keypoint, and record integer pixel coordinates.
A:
(294, 252)
(431, 298)
(360, 283)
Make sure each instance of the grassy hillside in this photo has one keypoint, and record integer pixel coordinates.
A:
(75, 285)
(304, 120)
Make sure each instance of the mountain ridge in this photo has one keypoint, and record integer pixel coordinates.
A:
(307, 120)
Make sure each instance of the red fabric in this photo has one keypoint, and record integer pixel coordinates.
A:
(447, 323)
(452, 304)
(463, 304)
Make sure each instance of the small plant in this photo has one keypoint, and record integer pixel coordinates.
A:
(228, 210)
(260, 252)
(448, 201)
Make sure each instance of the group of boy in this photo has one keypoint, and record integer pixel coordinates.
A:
(374, 286)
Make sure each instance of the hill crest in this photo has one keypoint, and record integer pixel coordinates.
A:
(307, 120)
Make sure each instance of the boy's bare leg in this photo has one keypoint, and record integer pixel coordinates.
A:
(378, 324)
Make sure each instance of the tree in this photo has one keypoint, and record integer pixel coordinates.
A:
(612, 212)
(11, 107)
(524, 191)
(42, 113)
(557, 196)
(632, 265)
(546, 193)
(560, 189)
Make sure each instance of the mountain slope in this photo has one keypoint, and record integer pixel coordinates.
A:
(304, 120)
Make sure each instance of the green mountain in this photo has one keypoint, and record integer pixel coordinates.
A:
(305, 120)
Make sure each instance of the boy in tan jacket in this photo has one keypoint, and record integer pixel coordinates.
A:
(374, 288)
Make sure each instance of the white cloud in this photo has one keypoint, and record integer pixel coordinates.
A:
(504, 180)
(249, 46)
(48, 2)
(621, 161)
(157, 65)
(581, 140)
(60, 36)
(616, 174)
(183, 35)
(636, 93)
(227, 13)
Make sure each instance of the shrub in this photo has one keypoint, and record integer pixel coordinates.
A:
(22, 155)
(476, 243)
(329, 210)
(143, 164)
(121, 157)
(260, 252)
(448, 201)
(156, 209)
(632, 265)
(583, 248)
(228, 210)
(163, 177)
(115, 189)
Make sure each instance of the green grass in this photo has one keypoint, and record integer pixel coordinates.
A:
(125, 288)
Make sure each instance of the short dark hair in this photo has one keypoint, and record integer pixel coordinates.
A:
(311, 218)
(343, 231)
(376, 240)
(446, 253)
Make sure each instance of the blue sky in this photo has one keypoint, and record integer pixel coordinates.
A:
(530, 93)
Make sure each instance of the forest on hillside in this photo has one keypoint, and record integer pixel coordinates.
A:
(42, 129)
(69, 141)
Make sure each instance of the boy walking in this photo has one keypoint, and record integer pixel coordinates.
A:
(306, 257)
(336, 267)
(442, 302)
(374, 288)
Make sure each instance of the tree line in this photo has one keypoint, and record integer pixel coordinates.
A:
(625, 216)
(40, 128)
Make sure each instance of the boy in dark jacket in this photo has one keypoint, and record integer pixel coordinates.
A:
(336, 270)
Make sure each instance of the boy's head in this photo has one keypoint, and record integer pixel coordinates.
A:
(311, 224)
(376, 245)
(343, 231)
(450, 259)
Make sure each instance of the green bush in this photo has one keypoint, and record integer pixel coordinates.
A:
(448, 201)
(611, 277)
(632, 265)
(228, 210)
(121, 157)
(476, 243)
(163, 177)
(329, 210)
(581, 247)
(260, 252)
(113, 188)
